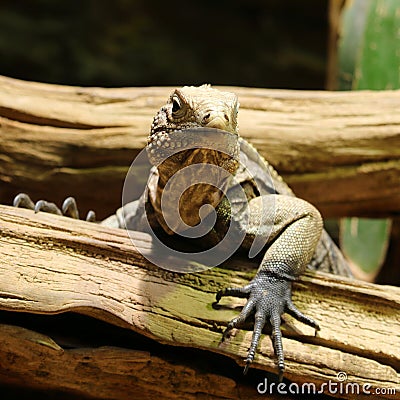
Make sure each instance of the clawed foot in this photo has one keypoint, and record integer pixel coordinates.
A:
(268, 298)
(68, 209)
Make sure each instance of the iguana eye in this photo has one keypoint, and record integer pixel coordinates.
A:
(176, 105)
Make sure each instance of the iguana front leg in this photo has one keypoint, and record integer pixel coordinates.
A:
(292, 228)
(69, 207)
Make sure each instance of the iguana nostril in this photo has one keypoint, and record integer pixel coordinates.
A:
(206, 118)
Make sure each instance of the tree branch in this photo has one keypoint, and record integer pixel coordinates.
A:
(339, 150)
(52, 264)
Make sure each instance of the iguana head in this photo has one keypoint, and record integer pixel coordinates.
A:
(192, 106)
(186, 109)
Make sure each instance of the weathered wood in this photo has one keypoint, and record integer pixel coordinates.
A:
(52, 264)
(339, 150)
(106, 372)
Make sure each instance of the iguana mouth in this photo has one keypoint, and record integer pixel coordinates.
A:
(163, 144)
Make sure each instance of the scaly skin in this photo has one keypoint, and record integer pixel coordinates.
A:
(291, 228)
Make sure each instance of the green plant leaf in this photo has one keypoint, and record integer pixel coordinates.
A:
(378, 66)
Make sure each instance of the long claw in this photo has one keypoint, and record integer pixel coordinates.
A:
(91, 216)
(22, 200)
(280, 376)
(45, 206)
(229, 327)
(69, 208)
(240, 319)
(246, 368)
(296, 313)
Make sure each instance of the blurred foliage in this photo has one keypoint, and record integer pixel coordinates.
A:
(136, 42)
(365, 241)
(379, 59)
(369, 58)
(354, 18)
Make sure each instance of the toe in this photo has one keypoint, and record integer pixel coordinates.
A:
(259, 322)
(45, 206)
(91, 216)
(242, 292)
(292, 310)
(69, 208)
(240, 319)
(22, 200)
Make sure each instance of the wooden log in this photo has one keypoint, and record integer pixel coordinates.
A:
(51, 264)
(106, 372)
(339, 150)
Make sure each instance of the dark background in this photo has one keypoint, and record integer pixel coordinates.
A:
(139, 43)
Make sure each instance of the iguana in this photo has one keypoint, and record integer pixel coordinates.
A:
(185, 132)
